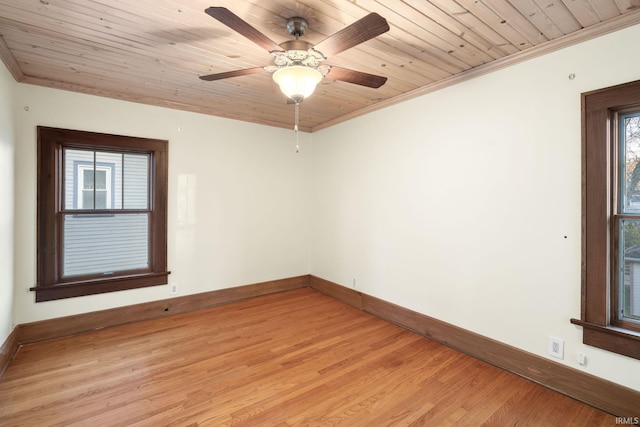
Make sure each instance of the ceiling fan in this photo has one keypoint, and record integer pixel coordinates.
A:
(297, 64)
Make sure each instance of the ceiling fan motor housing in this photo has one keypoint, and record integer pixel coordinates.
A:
(296, 45)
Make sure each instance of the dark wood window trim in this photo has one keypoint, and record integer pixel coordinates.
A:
(599, 238)
(50, 283)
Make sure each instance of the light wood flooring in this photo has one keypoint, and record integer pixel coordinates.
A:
(293, 358)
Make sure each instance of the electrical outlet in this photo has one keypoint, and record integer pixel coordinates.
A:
(555, 347)
(173, 289)
(581, 358)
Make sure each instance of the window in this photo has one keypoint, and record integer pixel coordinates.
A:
(93, 187)
(102, 214)
(611, 219)
(627, 285)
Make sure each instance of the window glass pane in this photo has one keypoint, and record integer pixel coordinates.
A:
(136, 181)
(95, 244)
(108, 174)
(124, 178)
(101, 179)
(101, 199)
(76, 163)
(87, 179)
(630, 270)
(87, 200)
(80, 166)
(630, 164)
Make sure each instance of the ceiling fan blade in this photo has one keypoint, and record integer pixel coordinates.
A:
(228, 74)
(360, 31)
(356, 77)
(237, 24)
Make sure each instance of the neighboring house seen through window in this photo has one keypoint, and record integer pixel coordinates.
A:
(611, 219)
(101, 213)
(93, 189)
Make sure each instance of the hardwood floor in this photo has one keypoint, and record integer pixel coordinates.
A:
(293, 358)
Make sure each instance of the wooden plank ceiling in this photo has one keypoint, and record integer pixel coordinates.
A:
(152, 51)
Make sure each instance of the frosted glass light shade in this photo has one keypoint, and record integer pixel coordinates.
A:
(297, 81)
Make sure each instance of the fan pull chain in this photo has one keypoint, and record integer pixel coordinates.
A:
(295, 127)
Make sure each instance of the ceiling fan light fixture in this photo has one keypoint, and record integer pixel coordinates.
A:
(297, 81)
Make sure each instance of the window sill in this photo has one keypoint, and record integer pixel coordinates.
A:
(99, 286)
(610, 338)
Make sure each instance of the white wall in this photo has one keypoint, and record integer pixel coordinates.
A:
(238, 197)
(6, 203)
(465, 204)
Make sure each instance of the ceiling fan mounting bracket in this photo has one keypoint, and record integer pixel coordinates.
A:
(297, 26)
